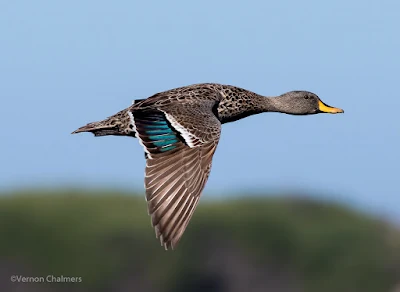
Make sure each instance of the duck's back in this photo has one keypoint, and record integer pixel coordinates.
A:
(193, 94)
(231, 102)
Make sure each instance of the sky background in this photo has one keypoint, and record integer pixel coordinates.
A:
(66, 63)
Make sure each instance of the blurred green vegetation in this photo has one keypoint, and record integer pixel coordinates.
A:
(252, 244)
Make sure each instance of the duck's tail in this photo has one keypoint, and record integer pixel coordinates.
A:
(98, 129)
(117, 125)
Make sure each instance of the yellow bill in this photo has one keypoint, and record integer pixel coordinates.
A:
(328, 109)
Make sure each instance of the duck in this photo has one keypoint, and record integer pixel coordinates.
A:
(179, 130)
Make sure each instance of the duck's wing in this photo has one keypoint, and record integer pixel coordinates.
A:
(179, 142)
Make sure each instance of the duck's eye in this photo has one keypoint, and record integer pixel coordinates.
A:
(306, 97)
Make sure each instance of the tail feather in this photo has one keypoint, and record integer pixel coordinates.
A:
(117, 125)
(98, 129)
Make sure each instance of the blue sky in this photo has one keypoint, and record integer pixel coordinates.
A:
(66, 63)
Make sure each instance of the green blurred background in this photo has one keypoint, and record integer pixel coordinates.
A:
(261, 243)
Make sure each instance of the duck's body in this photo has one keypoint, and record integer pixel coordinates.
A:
(179, 130)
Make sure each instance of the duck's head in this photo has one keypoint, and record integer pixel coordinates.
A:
(303, 103)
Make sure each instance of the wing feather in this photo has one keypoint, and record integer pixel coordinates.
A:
(172, 200)
(179, 149)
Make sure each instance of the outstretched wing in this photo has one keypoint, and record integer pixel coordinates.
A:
(179, 143)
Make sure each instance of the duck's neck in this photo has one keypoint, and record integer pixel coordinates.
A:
(239, 103)
(231, 108)
(274, 104)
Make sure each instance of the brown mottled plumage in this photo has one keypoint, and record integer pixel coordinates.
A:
(179, 130)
